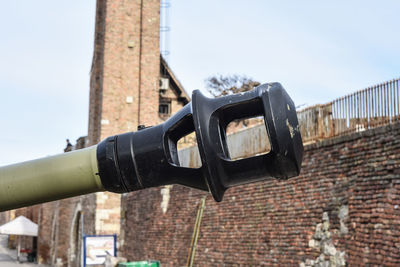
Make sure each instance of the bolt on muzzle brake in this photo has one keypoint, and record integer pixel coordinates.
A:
(149, 157)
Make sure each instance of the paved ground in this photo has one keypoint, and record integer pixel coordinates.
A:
(8, 257)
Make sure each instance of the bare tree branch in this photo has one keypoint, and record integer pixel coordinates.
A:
(219, 85)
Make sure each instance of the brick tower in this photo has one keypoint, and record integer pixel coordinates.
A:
(124, 84)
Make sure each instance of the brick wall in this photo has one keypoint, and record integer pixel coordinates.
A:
(126, 67)
(343, 208)
(58, 225)
(47, 238)
(4, 217)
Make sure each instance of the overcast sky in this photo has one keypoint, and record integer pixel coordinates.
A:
(318, 51)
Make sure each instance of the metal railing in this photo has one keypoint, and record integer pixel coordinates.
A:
(374, 106)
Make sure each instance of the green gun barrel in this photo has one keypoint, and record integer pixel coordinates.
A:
(51, 178)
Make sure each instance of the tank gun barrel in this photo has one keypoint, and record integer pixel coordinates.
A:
(149, 157)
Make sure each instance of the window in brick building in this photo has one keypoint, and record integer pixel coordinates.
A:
(164, 109)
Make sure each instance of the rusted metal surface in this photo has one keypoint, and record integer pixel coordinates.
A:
(371, 107)
(245, 143)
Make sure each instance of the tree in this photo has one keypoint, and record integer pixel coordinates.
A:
(220, 85)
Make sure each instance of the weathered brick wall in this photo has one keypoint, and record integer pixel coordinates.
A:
(126, 67)
(66, 212)
(343, 206)
(47, 238)
(55, 231)
(149, 62)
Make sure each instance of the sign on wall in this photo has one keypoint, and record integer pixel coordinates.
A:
(97, 247)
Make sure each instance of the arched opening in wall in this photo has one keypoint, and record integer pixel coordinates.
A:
(75, 250)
